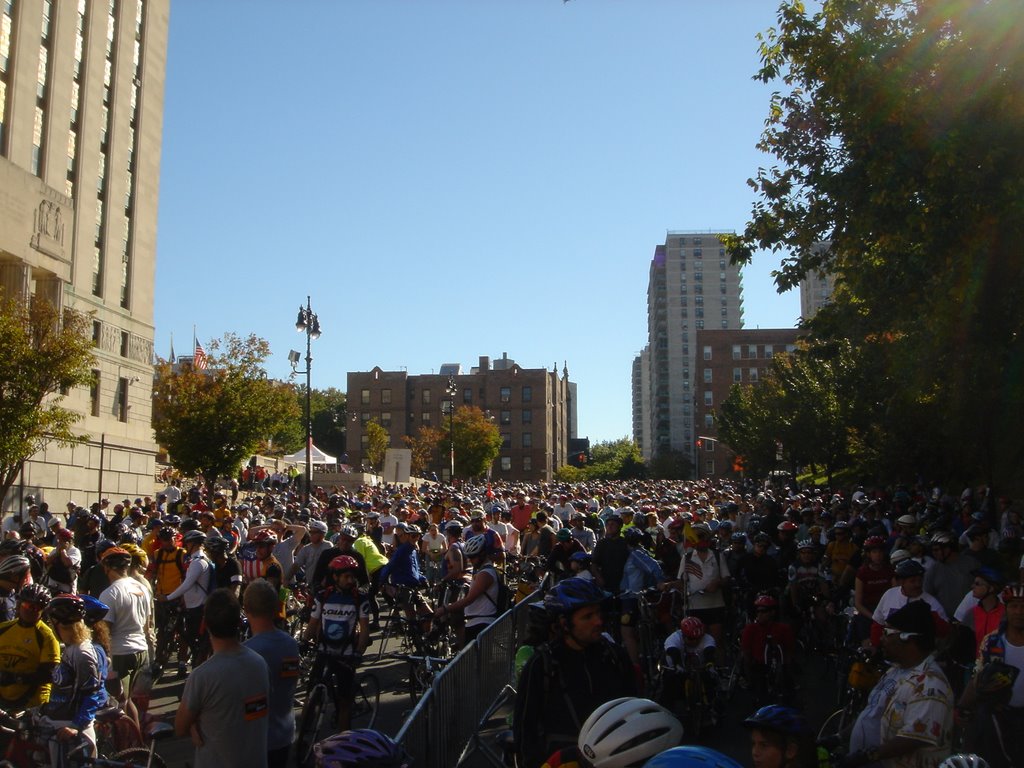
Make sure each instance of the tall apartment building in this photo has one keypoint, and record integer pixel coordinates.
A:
(81, 118)
(533, 408)
(642, 402)
(816, 289)
(692, 287)
(728, 357)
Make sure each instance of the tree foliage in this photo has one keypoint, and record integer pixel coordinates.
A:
(611, 459)
(426, 448)
(477, 442)
(43, 355)
(895, 136)
(211, 421)
(377, 443)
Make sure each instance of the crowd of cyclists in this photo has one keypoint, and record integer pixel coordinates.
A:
(650, 604)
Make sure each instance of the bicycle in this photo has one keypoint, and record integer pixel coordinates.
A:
(862, 676)
(170, 636)
(422, 671)
(323, 694)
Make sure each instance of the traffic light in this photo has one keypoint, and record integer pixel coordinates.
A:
(700, 444)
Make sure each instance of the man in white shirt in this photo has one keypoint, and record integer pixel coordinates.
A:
(563, 510)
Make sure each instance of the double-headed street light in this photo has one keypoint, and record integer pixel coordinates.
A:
(308, 322)
(450, 390)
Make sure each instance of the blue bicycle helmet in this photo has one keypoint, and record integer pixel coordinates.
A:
(359, 749)
(571, 594)
(633, 536)
(94, 609)
(691, 757)
(776, 717)
(738, 538)
(583, 557)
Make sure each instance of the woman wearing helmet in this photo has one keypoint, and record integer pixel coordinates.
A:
(30, 650)
(569, 677)
(78, 691)
(622, 733)
(780, 738)
(480, 604)
(340, 627)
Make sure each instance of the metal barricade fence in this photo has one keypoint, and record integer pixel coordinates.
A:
(449, 715)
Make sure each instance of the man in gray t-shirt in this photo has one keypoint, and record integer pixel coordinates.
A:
(225, 703)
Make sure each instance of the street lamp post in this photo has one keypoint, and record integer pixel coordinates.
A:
(451, 389)
(307, 321)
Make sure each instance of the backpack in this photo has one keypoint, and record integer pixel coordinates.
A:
(503, 601)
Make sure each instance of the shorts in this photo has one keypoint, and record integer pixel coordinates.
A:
(343, 669)
(127, 666)
(709, 615)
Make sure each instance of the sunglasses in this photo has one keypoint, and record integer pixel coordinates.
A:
(904, 636)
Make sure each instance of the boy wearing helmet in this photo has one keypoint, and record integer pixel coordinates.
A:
(340, 627)
(689, 648)
(766, 629)
(780, 738)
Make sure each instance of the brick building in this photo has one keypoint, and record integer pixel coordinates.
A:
(724, 358)
(533, 408)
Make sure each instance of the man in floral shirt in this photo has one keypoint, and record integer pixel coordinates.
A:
(909, 715)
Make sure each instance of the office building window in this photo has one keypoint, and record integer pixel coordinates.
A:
(385, 397)
(506, 463)
(94, 393)
(364, 396)
(121, 406)
(527, 439)
(527, 417)
(527, 394)
(506, 394)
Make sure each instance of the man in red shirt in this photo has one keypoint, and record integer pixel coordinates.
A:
(522, 511)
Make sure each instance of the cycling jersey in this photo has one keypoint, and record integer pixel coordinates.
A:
(339, 613)
(168, 569)
(22, 650)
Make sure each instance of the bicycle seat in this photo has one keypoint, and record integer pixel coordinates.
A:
(159, 730)
(109, 713)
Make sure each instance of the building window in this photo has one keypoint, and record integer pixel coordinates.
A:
(506, 394)
(124, 343)
(426, 397)
(769, 351)
(737, 375)
(527, 416)
(364, 396)
(506, 440)
(707, 375)
(707, 353)
(725, 323)
(121, 406)
(527, 463)
(505, 417)
(753, 374)
(364, 418)
(364, 443)
(385, 397)
(686, 350)
(752, 351)
(709, 467)
(708, 401)
(686, 386)
(527, 393)
(94, 393)
(506, 463)
(791, 348)
(527, 439)
(467, 395)
(385, 419)
(709, 420)
(425, 418)
(97, 332)
(699, 324)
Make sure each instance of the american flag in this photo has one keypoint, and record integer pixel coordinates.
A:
(200, 360)
(693, 568)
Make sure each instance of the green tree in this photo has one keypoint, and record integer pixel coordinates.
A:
(328, 414)
(425, 447)
(477, 442)
(211, 421)
(615, 459)
(44, 354)
(377, 443)
(895, 134)
(670, 464)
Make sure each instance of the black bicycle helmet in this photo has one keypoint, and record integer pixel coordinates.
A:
(66, 609)
(35, 593)
(776, 717)
(14, 567)
(908, 568)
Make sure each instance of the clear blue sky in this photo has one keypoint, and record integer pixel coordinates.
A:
(453, 178)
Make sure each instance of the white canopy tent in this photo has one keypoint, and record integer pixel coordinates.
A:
(316, 457)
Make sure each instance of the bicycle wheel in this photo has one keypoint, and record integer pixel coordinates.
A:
(139, 756)
(694, 722)
(836, 729)
(310, 722)
(364, 705)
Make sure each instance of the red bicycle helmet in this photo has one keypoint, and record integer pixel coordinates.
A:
(343, 563)
(265, 537)
(692, 628)
(766, 601)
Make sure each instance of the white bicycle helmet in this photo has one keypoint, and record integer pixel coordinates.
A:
(475, 546)
(964, 761)
(13, 567)
(628, 732)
